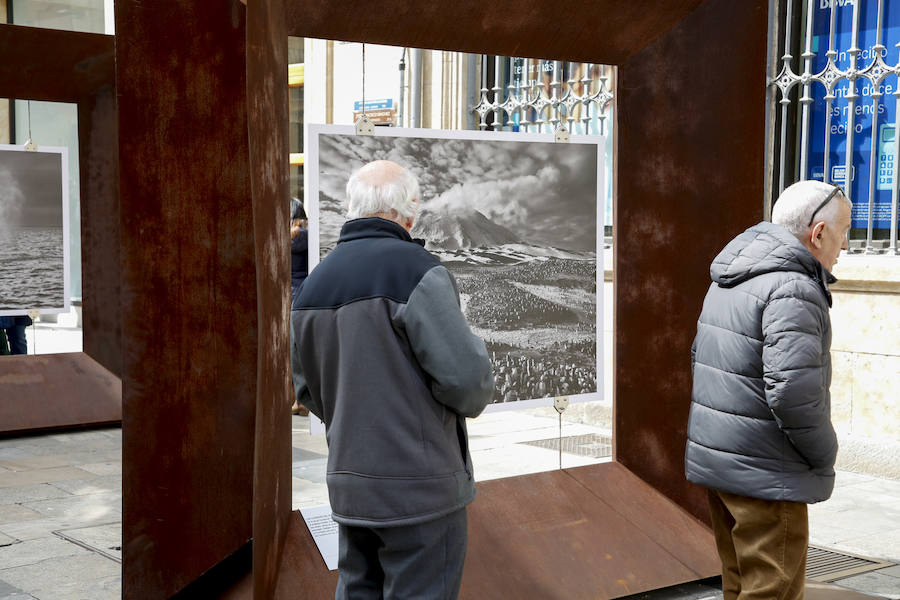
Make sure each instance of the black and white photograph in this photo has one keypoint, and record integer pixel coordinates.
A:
(33, 230)
(514, 217)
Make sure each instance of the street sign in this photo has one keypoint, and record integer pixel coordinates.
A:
(381, 103)
(378, 117)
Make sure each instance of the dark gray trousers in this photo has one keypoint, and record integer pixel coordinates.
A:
(423, 561)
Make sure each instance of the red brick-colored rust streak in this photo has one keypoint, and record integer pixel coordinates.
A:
(98, 146)
(691, 131)
(607, 31)
(189, 294)
(53, 65)
(267, 99)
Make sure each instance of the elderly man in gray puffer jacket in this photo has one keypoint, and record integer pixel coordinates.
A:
(759, 435)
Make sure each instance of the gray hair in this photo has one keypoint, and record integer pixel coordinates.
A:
(382, 187)
(794, 207)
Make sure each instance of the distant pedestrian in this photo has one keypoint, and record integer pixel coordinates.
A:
(385, 358)
(299, 247)
(299, 270)
(760, 436)
(14, 328)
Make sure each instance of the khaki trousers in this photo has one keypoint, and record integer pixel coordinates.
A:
(762, 545)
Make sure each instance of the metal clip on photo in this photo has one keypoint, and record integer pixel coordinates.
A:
(364, 125)
(562, 134)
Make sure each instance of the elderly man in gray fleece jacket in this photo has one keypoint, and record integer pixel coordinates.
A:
(759, 435)
(384, 356)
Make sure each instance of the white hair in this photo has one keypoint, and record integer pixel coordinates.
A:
(382, 187)
(794, 207)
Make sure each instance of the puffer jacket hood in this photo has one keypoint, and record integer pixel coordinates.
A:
(767, 248)
(760, 418)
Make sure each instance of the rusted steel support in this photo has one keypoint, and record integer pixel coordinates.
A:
(690, 177)
(54, 65)
(605, 31)
(190, 303)
(267, 101)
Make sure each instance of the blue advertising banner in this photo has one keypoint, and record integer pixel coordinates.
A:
(880, 101)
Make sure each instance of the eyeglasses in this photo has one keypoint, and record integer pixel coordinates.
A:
(836, 189)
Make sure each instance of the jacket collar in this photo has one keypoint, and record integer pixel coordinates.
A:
(372, 227)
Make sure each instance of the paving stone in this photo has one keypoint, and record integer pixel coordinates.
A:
(299, 455)
(883, 519)
(106, 538)
(30, 493)
(102, 455)
(108, 588)
(884, 545)
(84, 509)
(84, 576)
(11, 592)
(22, 478)
(110, 483)
(13, 513)
(892, 571)
(36, 529)
(310, 470)
(34, 462)
(35, 551)
(103, 468)
(873, 582)
(845, 478)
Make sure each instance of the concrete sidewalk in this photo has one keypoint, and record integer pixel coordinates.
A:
(60, 505)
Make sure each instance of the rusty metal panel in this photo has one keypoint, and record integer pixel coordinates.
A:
(303, 572)
(607, 31)
(267, 100)
(49, 391)
(586, 533)
(669, 525)
(189, 291)
(54, 65)
(98, 160)
(690, 177)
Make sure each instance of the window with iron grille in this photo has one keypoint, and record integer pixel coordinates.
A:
(833, 106)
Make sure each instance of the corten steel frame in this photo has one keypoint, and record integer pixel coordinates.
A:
(204, 194)
(203, 308)
(65, 390)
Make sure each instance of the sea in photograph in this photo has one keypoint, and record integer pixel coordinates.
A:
(31, 268)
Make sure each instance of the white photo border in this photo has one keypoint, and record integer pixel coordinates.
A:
(64, 174)
(312, 209)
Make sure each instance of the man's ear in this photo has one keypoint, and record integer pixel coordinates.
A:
(815, 234)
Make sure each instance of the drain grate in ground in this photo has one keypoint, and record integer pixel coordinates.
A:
(594, 445)
(829, 565)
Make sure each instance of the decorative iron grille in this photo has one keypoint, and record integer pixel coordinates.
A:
(842, 76)
(531, 95)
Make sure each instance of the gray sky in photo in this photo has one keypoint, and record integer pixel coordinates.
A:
(30, 189)
(546, 193)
